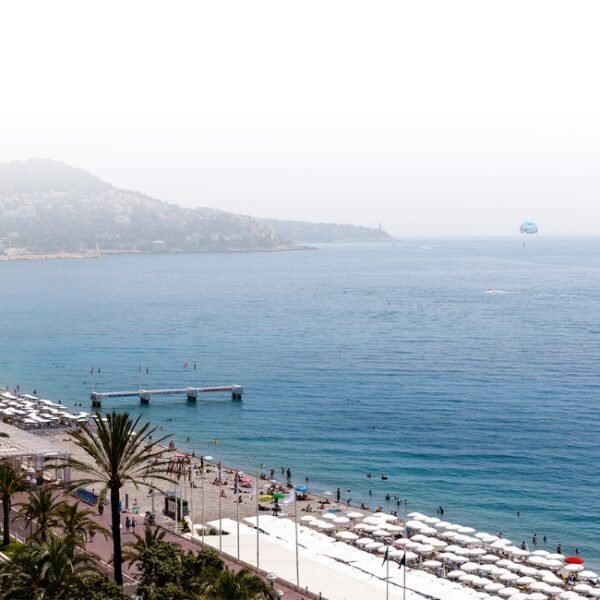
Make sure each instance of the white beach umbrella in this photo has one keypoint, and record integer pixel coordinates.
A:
(525, 580)
(519, 596)
(573, 568)
(361, 526)
(448, 535)
(469, 567)
(516, 551)
(487, 569)
(341, 520)
(554, 563)
(508, 577)
(557, 556)
(539, 586)
(461, 559)
(382, 533)
(462, 551)
(415, 515)
(552, 579)
(353, 514)
(431, 520)
(307, 518)
(436, 543)
(493, 587)
(432, 564)
(441, 525)
(424, 549)
(583, 588)
(587, 575)
(570, 595)
(325, 526)
(454, 574)
(481, 582)
(384, 548)
(480, 552)
(467, 578)
(540, 553)
(500, 543)
(527, 570)
(394, 528)
(428, 530)
(466, 530)
(537, 560)
(505, 562)
(453, 527)
(537, 596)
(373, 545)
(328, 515)
(364, 541)
(418, 525)
(401, 542)
(346, 535)
(507, 592)
(418, 537)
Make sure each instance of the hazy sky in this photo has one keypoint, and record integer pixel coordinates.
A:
(447, 117)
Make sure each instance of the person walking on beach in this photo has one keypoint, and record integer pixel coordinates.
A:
(133, 524)
(272, 474)
(337, 495)
(127, 524)
(289, 474)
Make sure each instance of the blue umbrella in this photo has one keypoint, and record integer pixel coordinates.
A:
(301, 488)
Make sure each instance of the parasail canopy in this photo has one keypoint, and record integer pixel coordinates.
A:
(529, 227)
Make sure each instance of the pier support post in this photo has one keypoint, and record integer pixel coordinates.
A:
(144, 398)
(96, 401)
(236, 392)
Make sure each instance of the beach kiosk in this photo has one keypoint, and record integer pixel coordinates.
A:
(171, 505)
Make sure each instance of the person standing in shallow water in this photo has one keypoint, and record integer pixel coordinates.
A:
(337, 495)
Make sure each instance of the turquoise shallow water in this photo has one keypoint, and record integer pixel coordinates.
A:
(465, 370)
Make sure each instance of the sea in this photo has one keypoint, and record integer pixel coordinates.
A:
(466, 372)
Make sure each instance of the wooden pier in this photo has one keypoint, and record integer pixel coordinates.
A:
(190, 392)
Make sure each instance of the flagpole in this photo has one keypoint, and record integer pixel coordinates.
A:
(257, 521)
(237, 516)
(296, 526)
(404, 592)
(220, 514)
(387, 578)
(202, 512)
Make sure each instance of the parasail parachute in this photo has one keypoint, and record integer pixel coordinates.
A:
(529, 227)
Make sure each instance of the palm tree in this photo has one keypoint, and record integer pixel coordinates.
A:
(135, 550)
(11, 482)
(43, 507)
(121, 453)
(77, 522)
(242, 585)
(45, 569)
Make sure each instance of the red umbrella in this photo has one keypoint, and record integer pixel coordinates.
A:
(574, 560)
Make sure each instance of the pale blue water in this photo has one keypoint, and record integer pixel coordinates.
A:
(391, 358)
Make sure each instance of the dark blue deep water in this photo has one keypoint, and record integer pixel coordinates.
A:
(467, 371)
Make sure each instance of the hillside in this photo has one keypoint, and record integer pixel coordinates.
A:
(48, 207)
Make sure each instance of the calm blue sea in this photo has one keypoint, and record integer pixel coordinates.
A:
(467, 371)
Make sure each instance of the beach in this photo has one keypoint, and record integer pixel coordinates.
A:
(326, 550)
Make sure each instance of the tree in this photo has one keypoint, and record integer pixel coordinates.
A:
(11, 482)
(120, 453)
(48, 568)
(77, 522)
(242, 585)
(43, 507)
